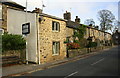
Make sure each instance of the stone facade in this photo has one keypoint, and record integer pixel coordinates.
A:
(90, 32)
(48, 36)
(4, 17)
(69, 32)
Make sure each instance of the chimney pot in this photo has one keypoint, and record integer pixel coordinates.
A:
(76, 16)
(67, 15)
(77, 20)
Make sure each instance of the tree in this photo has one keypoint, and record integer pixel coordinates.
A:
(106, 19)
(89, 22)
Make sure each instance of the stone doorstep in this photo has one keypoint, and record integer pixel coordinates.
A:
(35, 67)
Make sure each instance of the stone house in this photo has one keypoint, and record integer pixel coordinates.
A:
(93, 33)
(97, 35)
(45, 43)
(71, 26)
(52, 34)
(13, 17)
(47, 32)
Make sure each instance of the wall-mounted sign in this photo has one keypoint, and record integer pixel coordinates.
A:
(26, 28)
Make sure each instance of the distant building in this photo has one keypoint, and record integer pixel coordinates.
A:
(116, 37)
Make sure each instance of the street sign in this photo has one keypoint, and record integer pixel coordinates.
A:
(26, 28)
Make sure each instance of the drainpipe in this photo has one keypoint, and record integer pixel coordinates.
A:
(38, 41)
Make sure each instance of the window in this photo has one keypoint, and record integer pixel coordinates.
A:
(55, 26)
(56, 48)
(0, 11)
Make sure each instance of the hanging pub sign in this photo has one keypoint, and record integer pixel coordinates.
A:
(26, 28)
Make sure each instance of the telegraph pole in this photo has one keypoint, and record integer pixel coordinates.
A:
(43, 6)
(26, 38)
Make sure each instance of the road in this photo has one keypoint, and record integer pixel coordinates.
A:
(102, 64)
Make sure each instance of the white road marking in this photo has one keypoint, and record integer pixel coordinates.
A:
(97, 61)
(71, 74)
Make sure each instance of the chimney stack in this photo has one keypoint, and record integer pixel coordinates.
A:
(67, 16)
(37, 10)
(77, 20)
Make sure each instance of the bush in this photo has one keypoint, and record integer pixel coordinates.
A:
(91, 44)
(73, 46)
(13, 42)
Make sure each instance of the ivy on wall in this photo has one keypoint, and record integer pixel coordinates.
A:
(80, 32)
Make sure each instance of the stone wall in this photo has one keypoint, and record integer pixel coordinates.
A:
(47, 36)
(96, 34)
(77, 52)
(4, 17)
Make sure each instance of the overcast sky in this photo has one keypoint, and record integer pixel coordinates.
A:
(84, 9)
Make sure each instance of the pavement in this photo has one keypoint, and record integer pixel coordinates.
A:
(18, 70)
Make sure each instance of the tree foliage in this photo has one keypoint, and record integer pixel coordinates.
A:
(89, 22)
(12, 42)
(106, 19)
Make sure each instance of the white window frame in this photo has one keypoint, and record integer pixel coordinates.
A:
(55, 26)
(55, 48)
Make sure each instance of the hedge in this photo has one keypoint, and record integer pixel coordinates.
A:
(12, 42)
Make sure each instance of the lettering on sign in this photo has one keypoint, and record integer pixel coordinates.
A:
(26, 28)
